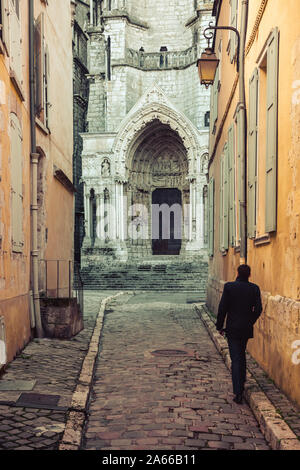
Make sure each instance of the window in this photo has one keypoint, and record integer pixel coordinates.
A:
(214, 102)
(224, 201)
(252, 153)
(15, 41)
(211, 204)
(272, 130)
(108, 58)
(4, 25)
(206, 119)
(262, 141)
(41, 72)
(163, 60)
(239, 169)
(16, 185)
(231, 186)
(233, 22)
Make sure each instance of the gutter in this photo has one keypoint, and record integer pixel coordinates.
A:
(34, 156)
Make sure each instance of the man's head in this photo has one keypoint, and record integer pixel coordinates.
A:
(244, 272)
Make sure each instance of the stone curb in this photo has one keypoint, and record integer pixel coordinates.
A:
(276, 431)
(71, 439)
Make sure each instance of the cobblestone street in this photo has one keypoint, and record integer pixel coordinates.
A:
(173, 401)
(159, 383)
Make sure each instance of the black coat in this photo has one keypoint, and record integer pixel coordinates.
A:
(241, 303)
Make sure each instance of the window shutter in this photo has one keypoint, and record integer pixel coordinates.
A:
(233, 23)
(16, 185)
(215, 93)
(272, 129)
(46, 84)
(225, 200)
(211, 192)
(5, 24)
(221, 211)
(252, 153)
(231, 181)
(39, 64)
(15, 42)
(239, 166)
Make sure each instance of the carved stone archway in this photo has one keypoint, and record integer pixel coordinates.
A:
(154, 106)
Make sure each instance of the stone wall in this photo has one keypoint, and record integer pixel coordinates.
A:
(61, 318)
(80, 92)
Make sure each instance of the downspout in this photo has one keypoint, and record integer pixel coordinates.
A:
(34, 175)
(243, 121)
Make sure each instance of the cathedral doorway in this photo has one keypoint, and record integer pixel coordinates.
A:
(166, 221)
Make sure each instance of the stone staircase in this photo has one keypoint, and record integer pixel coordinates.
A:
(160, 273)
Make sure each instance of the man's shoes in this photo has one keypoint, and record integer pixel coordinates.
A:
(238, 399)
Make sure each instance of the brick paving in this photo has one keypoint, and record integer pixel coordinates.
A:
(139, 401)
(147, 402)
(55, 365)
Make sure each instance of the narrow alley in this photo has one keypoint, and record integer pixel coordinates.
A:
(161, 384)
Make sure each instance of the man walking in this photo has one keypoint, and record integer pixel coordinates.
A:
(241, 303)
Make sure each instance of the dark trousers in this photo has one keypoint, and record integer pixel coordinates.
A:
(237, 350)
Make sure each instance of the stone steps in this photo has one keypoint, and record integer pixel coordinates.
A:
(159, 274)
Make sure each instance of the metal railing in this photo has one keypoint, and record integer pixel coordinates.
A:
(60, 279)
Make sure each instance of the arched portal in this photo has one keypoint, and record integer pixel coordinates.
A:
(157, 190)
(155, 158)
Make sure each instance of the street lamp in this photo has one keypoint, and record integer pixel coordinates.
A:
(207, 66)
(208, 63)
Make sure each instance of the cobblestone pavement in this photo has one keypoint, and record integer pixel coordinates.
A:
(55, 366)
(143, 401)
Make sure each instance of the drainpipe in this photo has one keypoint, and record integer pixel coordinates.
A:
(243, 121)
(34, 175)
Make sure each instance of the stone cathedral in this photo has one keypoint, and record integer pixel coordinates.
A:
(145, 151)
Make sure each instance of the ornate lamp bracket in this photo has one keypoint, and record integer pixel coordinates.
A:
(209, 35)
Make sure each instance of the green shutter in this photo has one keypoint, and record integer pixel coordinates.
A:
(215, 95)
(231, 182)
(233, 23)
(221, 214)
(39, 55)
(272, 129)
(16, 185)
(252, 154)
(226, 200)
(5, 25)
(212, 112)
(211, 189)
(239, 147)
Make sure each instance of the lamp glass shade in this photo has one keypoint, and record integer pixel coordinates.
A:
(207, 66)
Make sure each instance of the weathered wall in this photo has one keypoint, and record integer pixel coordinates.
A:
(274, 259)
(56, 140)
(80, 91)
(14, 267)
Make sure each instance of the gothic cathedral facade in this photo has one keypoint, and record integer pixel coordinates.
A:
(145, 151)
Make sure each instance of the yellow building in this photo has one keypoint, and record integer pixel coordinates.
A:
(36, 193)
(254, 173)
